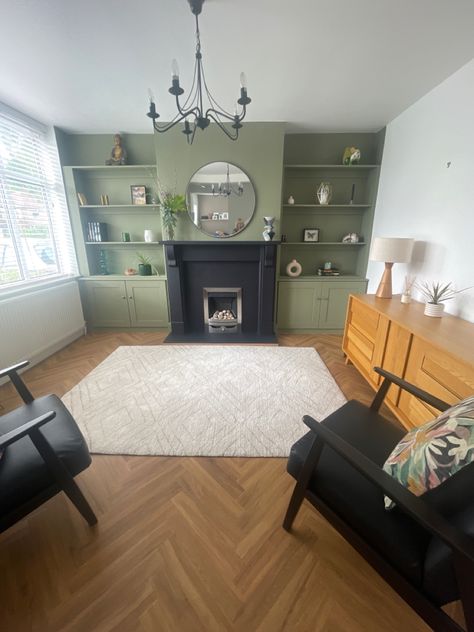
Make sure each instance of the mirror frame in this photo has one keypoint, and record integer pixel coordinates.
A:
(254, 194)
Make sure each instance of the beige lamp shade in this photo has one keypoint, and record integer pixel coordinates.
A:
(390, 250)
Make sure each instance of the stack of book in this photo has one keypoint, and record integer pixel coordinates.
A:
(96, 231)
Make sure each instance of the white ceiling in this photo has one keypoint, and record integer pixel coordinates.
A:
(320, 65)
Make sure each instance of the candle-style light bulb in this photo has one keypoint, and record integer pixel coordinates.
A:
(174, 69)
(243, 80)
(151, 96)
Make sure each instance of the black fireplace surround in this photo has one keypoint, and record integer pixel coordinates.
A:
(194, 265)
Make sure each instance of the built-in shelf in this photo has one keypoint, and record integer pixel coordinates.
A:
(122, 243)
(113, 206)
(316, 277)
(322, 243)
(327, 205)
(125, 277)
(111, 167)
(323, 166)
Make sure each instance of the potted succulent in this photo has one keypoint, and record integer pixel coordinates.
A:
(144, 266)
(436, 294)
(170, 205)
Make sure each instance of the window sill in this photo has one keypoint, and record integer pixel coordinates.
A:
(19, 289)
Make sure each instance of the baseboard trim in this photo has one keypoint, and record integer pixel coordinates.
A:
(41, 354)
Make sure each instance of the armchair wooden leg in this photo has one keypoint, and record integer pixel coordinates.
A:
(299, 491)
(63, 476)
(296, 501)
(464, 577)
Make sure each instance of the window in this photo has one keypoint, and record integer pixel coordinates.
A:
(35, 233)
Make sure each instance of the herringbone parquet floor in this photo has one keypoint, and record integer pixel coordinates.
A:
(185, 544)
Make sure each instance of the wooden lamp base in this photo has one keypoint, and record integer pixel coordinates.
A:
(384, 289)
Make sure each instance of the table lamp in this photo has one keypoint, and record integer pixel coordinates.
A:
(390, 250)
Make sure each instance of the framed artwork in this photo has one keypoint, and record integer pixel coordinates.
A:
(215, 216)
(223, 215)
(138, 194)
(311, 234)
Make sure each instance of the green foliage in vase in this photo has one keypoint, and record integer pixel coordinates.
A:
(170, 205)
(436, 293)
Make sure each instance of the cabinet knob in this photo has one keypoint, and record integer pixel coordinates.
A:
(124, 297)
(130, 297)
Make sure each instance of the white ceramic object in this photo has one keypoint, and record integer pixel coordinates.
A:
(324, 193)
(149, 236)
(435, 310)
(294, 269)
(291, 200)
(405, 298)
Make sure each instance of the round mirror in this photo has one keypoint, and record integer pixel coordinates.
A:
(221, 199)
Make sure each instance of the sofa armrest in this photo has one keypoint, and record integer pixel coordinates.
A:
(21, 388)
(390, 378)
(25, 429)
(407, 502)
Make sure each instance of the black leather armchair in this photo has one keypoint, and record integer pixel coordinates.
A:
(43, 449)
(424, 548)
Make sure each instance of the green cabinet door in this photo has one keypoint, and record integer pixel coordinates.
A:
(106, 303)
(334, 299)
(148, 303)
(298, 305)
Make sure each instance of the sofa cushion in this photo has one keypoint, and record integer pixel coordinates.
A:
(355, 499)
(431, 454)
(23, 473)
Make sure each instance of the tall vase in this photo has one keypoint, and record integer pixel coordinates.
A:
(268, 232)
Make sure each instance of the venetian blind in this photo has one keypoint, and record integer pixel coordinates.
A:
(35, 232)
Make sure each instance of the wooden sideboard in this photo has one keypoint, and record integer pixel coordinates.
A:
(436, 354)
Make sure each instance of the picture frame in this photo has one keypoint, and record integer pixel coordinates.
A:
(311, 235)
(215, 216)
(224, 215)
(138, 193)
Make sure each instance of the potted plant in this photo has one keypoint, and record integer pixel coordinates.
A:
(170, 205)
(144, 266)
(436, 294)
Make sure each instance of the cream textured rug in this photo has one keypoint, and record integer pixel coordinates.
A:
(202, 400)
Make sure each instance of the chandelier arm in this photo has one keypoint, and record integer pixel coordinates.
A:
(192, 91)
(222, 127)
(175, 121)
(218, 114)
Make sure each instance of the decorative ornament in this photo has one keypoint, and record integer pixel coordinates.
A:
(291, 200)
(268, 232)
(118, 155)
(324, 193)
(351, 238)
(294, 269)
(351, 156)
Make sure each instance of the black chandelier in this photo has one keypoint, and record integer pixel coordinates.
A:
(227, 189)
(192, 110)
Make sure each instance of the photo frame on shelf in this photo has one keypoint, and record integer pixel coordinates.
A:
(311, 234)
(138, 193)
(215, 216)
(224, 215)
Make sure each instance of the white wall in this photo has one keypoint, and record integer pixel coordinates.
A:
(420, 196)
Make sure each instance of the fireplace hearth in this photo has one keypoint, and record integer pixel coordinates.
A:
(221, 292)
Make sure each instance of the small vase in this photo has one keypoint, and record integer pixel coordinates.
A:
(149, 236)
(435, 310)
(291, 200)
(144, 269)
(324, 193)
(294, 269)
(405, 298)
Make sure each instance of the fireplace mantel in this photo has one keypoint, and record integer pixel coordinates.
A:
(194, 265)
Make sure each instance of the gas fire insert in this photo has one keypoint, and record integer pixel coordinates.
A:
(222, 309)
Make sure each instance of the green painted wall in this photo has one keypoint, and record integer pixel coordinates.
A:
(258, 151)
(94, 149)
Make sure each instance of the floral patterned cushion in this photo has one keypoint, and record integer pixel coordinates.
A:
(430, 454)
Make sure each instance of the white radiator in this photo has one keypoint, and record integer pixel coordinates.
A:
(36, 324)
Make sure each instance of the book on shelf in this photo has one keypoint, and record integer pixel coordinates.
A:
(97, 231)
